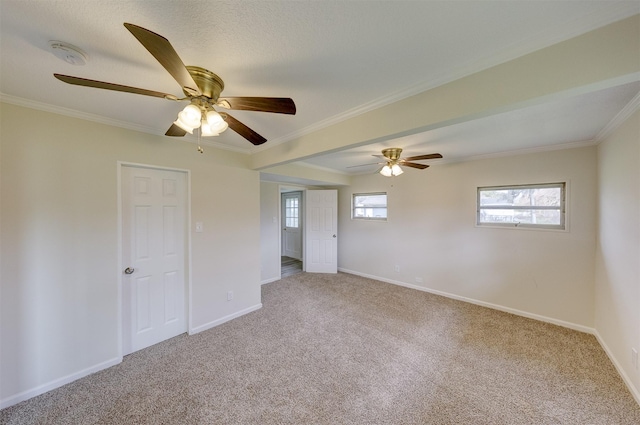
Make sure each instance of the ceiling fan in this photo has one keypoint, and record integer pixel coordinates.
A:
(202, 89)
(393, 161)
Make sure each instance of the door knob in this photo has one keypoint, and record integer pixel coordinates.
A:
(129, 270)
(334, 236)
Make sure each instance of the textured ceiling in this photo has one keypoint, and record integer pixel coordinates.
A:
(576, 120)
(334, 58)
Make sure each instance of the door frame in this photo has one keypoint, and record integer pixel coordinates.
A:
(301, 219)
(308, 230)
(283, 188)
(187, 266)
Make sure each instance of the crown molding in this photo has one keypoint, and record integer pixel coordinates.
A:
(41, 106)
(205, 142)
(525, 151)
(536, 42)
(628, 110)
(59, 110)
(320, 168)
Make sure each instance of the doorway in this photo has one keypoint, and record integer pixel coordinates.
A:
(292, 232)
(153, 216)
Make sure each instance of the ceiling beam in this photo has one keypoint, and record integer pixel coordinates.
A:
(603, 58)
(317, 175)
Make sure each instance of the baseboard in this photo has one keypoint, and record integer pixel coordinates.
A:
(224, 319)
(634, 391)
(526, 314)
(25, 395)
(273, 279)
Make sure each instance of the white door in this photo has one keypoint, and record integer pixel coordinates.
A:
(291, 225)
(321, 224)
(153, 255)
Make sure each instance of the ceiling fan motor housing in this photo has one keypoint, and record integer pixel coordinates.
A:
(392, 153)
(209, 83)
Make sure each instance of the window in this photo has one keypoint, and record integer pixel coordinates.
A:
(369, 206)
(291, 211)
(529, 206)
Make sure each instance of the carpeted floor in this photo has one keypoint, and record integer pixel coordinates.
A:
(328, 349)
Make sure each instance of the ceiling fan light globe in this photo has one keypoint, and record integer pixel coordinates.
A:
(396, 170)
(206, 130)
(220, 127)
(183, 125)
(386, 171)
(188, 121)
(191, 116)
(214, 119)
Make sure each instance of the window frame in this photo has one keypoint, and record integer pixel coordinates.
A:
(295, 208)
(353, 206)
(510, 225)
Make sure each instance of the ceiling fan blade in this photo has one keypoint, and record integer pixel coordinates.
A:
(420, 157)
(110, 86)
(175, 131)
(414, 165)
(278, 105)
(164, 52)
(364, 165)
(244, 131)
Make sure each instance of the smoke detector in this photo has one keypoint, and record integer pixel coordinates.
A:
(68, 53)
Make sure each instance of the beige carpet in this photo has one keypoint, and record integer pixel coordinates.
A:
(342, 349)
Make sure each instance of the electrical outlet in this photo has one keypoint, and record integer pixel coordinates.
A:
(634, 358)
(418, 280)
(229, 295)
(397, 268)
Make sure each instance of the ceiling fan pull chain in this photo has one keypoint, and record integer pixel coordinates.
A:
(199, 138)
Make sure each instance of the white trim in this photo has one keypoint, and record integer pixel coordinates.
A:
(536, 42)
(498, 307)
(635, 392)
(188, 273)
(562, 208)
(273, 279)
(59, 110)
(206, 326)
(282, 189)
(279, 264)
(153, 167)
(56, 383)
(478, 157)
(302, 163)
(119, 269)
(620, 117)
(189, 259)
(523, 151)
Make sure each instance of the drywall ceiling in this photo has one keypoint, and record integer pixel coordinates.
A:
(334, 58)
(575, 121)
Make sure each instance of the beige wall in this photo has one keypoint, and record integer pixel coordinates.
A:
(270, 231)
(59, 294)
(617, 314)
(431, 235)
(58, 222)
